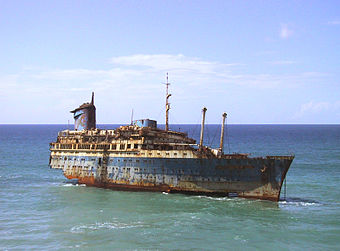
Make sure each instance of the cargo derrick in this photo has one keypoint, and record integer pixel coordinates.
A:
(142, 157)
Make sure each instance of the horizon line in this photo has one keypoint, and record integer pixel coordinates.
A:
(181, 124)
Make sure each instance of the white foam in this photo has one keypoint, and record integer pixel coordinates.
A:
(165, 193)
(67, 185)
(238, 238)
(74, 185)
(298, 203)
(104, 225)
(215, 198)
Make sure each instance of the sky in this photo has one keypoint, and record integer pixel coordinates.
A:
(261, 62)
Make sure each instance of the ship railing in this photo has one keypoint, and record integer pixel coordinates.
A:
(116, 146)
(96, 132)
(176, 144)
(98, 147)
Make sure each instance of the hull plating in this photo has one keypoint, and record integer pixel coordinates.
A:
(260, 178)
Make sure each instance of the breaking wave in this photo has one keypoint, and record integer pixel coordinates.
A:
(74, 185)
(299, 202)
(104, 225)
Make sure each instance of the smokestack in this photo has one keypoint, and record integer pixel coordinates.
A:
(202, 127)
(85, 116)
(224, 115)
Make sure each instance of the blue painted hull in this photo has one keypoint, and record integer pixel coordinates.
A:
(245, 177)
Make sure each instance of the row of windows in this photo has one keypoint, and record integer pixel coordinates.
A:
(148, 171)
(175, 154)
(119, 146)
(234, 174)
(153, 161)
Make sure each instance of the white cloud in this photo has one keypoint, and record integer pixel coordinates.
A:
(132, 80)
(285, 31)
(146, 72)
(334, 22)
(166, 62)
(314, 108)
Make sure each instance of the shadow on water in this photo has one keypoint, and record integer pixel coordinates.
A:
(73, 182)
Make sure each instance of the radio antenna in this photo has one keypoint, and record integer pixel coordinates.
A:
(167, 104)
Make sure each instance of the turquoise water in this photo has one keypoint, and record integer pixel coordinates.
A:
(40, 209)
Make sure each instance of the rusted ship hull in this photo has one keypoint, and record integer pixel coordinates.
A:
(142, 157)
(234, 175)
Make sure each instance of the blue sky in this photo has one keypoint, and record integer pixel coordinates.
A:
(259, 61)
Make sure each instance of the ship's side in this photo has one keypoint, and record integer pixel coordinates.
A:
(149, 159)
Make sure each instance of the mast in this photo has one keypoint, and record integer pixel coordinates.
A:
(132, 116)
(167, 104)
(202, 128)
(224, 115)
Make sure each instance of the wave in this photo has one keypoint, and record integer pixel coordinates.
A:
(104, 225)
(215, 198)
(74, 185)
(299, 202)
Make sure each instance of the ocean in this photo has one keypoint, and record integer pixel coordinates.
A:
(41, 210)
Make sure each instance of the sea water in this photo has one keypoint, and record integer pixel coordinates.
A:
(40, 209)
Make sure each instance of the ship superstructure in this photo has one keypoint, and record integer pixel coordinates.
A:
(143, 157)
